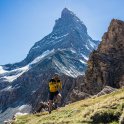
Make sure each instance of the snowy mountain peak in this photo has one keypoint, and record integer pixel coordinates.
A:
(66, 12)
(69, 22)
(69, 32)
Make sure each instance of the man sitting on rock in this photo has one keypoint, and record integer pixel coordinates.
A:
(55, 85)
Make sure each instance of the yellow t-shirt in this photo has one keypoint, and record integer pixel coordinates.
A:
(55, 85)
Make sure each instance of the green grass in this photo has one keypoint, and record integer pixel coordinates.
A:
(106, 109)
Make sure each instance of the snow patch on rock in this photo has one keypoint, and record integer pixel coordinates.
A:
(2, 70)
(86, 58)
(39, 58)
(12, 75)
(70, 71)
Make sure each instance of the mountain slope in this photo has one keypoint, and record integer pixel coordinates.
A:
(106, 109)
(65, 51)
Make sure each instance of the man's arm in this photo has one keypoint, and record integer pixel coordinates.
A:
(50, 83)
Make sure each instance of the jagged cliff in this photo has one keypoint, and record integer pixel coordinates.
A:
(106, 64)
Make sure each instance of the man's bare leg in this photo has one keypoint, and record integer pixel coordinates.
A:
(50, 106)
(59, 97)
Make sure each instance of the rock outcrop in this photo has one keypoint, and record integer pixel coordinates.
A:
(106, 64)
(106, 90)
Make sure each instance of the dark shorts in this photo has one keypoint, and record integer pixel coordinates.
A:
(52, 95)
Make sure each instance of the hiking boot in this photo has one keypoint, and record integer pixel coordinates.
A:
(56, 106)
(49, 112)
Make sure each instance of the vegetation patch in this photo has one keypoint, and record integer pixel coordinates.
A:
(105, 116)
(121, 120)
(106, 109)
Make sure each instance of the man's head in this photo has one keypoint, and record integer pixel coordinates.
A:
(56, 76)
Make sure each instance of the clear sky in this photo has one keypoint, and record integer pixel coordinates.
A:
(24, 22)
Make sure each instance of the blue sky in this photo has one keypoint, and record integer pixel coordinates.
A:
(24, 22)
